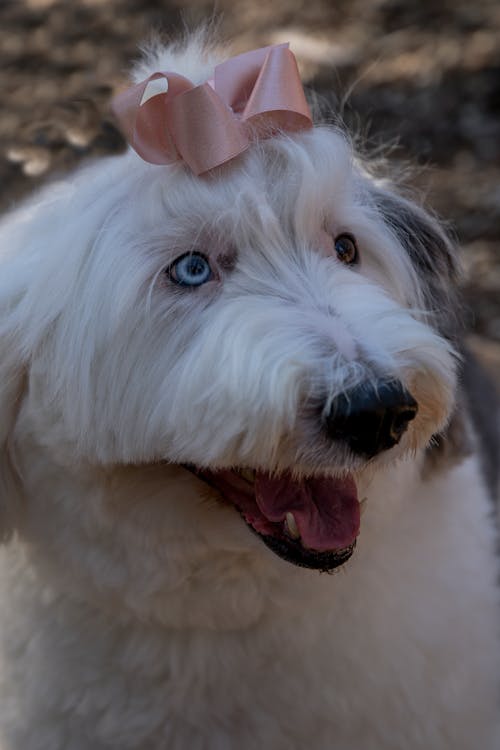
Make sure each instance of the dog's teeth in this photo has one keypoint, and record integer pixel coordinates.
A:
(362, 505)
(291, 528)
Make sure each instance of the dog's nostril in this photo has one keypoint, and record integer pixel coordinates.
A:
(371, 418)
(402, 418)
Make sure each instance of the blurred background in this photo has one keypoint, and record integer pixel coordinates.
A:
(420, 75)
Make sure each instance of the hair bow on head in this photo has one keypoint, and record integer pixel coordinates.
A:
(254, 95)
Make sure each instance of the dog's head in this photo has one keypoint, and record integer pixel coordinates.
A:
(268, 332)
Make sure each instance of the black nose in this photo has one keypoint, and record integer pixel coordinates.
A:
(371, 418)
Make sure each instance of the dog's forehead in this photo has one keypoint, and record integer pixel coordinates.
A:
(309, 175)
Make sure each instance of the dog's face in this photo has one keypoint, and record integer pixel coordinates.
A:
(273, 331)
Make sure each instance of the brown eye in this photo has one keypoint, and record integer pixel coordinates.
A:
(346, 249)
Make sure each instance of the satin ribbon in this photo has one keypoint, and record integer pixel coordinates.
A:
(254, 95)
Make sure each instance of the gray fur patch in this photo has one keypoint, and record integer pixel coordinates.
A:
(435, 258)
(484, 408)
(433, 255)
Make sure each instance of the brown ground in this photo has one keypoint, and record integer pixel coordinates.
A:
(421, 73)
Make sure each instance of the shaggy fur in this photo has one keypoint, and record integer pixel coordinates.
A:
(139, 611)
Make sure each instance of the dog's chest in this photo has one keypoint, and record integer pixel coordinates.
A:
(382, 646)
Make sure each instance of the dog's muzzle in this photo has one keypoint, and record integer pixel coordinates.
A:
(314, 521)
(371, 418)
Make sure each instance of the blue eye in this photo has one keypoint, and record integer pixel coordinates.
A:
(191, 269)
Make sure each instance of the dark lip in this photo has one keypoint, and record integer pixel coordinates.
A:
(293, 552)
(288, 549)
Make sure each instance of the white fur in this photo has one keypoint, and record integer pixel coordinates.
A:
(138, 612)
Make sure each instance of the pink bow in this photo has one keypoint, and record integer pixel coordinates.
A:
(254, 95)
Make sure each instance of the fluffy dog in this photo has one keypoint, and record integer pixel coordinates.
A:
(203, 379)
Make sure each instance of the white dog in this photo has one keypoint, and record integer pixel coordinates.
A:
(202, 380)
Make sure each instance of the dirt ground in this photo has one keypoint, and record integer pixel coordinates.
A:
(421, 75)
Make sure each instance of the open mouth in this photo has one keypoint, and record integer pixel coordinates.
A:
(310, 522)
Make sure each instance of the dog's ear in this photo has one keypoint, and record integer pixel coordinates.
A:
(433, 255)
(435, 258)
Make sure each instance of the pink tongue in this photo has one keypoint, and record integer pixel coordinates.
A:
(326, 511)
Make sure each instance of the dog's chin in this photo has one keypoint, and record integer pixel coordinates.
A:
(312, 522)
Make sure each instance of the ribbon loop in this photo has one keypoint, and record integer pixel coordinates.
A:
(166, 118)
(206, 132)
